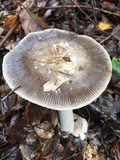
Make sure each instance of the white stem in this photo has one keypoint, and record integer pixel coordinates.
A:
(66, 120)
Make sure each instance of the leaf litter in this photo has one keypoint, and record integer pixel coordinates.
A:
(30, 132)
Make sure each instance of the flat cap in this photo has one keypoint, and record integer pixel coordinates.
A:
(58, 69)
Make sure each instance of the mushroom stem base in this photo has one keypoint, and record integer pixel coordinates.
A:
(80, 127)
(73, 123)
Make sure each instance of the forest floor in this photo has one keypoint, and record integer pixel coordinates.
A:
(18, 117)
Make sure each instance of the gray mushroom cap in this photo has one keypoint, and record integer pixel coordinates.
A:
(58, 69)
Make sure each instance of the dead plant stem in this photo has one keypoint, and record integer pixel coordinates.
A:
(84, 7)
(10, 93)
(9, 33)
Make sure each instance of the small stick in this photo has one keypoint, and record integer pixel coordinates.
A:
(84, 13)
(104, 146)
(10, 93)
(113, 130)
(9, 33)
(64, 73)
(106, 38)
(109, 36)
(93, 4)
(81, 6)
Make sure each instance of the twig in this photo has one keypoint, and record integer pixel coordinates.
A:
(81, 6)
(10, 93)
(89, 119)
(9, 33)
(38, 20)
(104, 146)
(109, 36)
(74, 155)
(106, 38)
(114, 131)
(93, 4)
(6, 156)
(85, 13)
(64, 73)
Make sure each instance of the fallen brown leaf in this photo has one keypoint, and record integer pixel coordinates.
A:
(115, 150)
(38, 20)
(31, 22)
(11, 20)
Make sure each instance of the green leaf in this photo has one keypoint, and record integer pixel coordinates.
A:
(116, 66)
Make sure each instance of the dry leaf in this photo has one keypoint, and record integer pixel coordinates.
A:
(34, 114)
(115, 150)
(90, 153)
(104, 25)
(2, 22)
(39, 21)
(29, 3)
(49, 11)
(110, 6)
(27, 152)
(41, 3)
(31, 22)
(1, 30)
(11, 20)
(42, 133)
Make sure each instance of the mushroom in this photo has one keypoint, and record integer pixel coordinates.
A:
(59, 70)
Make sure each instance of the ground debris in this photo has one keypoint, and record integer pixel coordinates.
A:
(115, 150)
